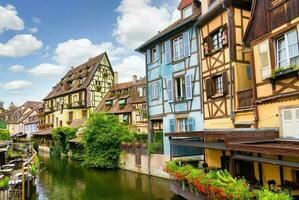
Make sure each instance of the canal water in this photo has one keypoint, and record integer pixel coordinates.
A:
(61, 179)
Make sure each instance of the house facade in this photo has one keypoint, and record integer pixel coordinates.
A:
(16, 117)
(274, 47)
(128, 102)
(173, 76)
(79, 92)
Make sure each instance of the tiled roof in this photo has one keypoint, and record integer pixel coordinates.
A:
(184, 4)
(43, 132)
(16, 115)
(131, 96)
(85, 71)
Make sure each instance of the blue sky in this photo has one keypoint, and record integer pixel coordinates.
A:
(41, 40)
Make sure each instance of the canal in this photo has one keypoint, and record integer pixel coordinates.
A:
(61, 179)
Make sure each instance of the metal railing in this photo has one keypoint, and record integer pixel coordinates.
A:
(27, 163)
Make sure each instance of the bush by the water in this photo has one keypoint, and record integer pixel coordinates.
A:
(61, 135)
(102, 139)
(4, 134)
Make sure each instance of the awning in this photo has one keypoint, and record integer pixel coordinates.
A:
(199, 143)
(273, 147)
(266, 160)
(43, 132)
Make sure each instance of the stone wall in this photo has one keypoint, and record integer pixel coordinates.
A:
(155, 161)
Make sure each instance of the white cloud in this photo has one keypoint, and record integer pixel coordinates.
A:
(36, 20)
(16, 85)
(17, 68)
(20, 45)
(75, 52)
(47, 69)
(9, 19)
(138, 21)
(131, 65)
(33, 30)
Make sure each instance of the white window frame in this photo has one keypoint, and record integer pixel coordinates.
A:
(178, 48)
(182, 125)
(187, 11)
(154, 55)
(286, 48)
(154, 91)
(182, 88)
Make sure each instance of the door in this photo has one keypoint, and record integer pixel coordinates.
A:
(290, 122)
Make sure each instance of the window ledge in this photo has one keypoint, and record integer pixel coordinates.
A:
(284, 74)
(177, 61)
(217, 96)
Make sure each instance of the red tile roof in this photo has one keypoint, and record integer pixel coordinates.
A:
(184, 4)
(85, 71)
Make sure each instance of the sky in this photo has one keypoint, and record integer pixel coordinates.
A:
(41, 40)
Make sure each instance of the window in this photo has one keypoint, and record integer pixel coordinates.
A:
(109, 103)
(180, 88)
(287, 50)
(141, 92)
(154, 91)
(84, 114)
(290, 122)
(216, 40)
(178, 48)
(70, 116)
(187, 11)
(60, 123)
(154, 55)
(122, 102)
(182, 125)
(126, 118)
(218, 85)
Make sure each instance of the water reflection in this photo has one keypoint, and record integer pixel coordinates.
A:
(64, 180)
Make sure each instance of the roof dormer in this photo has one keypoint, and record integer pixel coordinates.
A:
(188, 7)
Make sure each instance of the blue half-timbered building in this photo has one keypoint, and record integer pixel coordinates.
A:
(173, 79)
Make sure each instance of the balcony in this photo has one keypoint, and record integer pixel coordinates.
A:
(245, 99)
(77, 104)
(49, 109)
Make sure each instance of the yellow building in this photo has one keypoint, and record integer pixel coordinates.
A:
(79, 92)
(274, 46)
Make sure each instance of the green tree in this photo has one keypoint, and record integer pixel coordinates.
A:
(4, 134)
(62, 134)
(102, 141)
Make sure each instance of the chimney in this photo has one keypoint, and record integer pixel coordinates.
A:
(115, 77)
(134, 79)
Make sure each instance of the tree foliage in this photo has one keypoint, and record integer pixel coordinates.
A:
(4, 134)
(102, 140)
(62, 134)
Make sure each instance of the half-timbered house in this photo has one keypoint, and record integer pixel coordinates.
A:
(173, 81)
(79, 92)
(128, 102)
(272, 38)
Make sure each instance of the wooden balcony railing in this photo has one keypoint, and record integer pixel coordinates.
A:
(245, 99)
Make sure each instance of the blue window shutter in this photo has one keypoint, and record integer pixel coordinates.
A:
(186, 40)
(170, 90)
(158, 52)
(191, 124)
(188, 86)
(148, 56)
(168, 52)
(248, 72)
(171, 126)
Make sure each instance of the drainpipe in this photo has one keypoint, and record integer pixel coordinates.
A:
(149, 124)
(232, 114)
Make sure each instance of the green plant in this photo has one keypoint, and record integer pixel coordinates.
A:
(4, 183)
(4, 134)
(61, 135)
(14, 154)
(282, 69)
(102, 140)
(265, 194)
